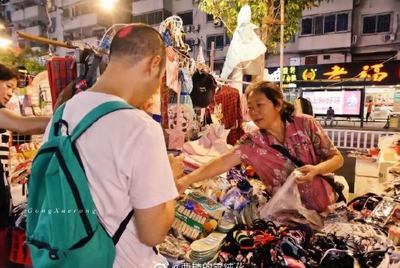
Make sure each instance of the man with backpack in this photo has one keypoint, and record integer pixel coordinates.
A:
(105, 166)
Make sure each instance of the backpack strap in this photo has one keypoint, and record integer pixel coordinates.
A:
(55, 129)
(122, 227)
(95, 114)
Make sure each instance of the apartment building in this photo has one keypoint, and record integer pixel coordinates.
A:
(336, 31)
(342, 31)
(27, 16)
(63, 20)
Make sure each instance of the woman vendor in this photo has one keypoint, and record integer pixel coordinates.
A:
(303, 137)
(17, 123)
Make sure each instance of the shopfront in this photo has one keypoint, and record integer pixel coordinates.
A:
(344, 86)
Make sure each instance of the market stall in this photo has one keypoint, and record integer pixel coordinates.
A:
(232, 219)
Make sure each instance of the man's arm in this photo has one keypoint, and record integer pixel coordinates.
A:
(154, 223)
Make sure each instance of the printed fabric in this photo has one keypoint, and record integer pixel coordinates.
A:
(232, 119)
(305, 139)
(61, 70)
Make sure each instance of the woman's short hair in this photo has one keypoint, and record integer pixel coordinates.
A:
(7, 73)
(274, 93)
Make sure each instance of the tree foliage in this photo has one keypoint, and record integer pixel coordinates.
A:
(25, 57)
(264, 13)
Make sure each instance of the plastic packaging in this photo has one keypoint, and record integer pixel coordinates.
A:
(287, 199)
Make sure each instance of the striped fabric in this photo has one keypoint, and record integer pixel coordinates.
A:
(4, 151)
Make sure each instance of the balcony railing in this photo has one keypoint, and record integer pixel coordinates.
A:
(30, 13)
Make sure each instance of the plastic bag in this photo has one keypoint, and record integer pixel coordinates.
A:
(287, 199)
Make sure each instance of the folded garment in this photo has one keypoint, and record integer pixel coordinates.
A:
(212, 143)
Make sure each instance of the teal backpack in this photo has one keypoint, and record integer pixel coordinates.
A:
(63, 229)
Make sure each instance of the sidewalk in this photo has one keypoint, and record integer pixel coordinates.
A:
(356, 125)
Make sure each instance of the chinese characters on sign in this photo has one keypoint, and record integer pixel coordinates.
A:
(376, 76)
(335, 73)
(387, 73)
(289, 75)
(370, 73)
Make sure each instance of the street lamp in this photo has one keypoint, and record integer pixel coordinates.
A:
(4, 42)
(108, 5)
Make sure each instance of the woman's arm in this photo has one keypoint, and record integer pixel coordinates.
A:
(209, 170)
(22, 124)
(330, 157)
(332, 163)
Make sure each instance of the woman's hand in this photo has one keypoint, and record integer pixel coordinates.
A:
(309, 172)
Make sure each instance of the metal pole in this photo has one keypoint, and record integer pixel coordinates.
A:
(282, 43)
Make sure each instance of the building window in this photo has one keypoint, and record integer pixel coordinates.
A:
(152, 18)
(369, 24)
(318, 25)
(342, 22)
(311, 60)
(376, 24)
(210, 18)
(187, 18)
(227, 40)
(327, 57)
(329, 24)
(383, 23)
(306, 26)
(217, 39)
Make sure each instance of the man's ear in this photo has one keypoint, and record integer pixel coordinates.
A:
(155, 65)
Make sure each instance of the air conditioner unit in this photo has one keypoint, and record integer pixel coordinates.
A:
(389, 37)
(354, 39)
(196, 28)
(187, 28)
(218, 23)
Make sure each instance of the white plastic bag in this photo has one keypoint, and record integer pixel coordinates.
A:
(287, 200)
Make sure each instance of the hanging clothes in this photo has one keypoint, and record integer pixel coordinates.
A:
(62, 70)
(232, 118)
(204, 86)
(245, 45)
(172, 69)
(164, 90)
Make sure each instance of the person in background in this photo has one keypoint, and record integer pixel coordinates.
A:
(369, 110)
(124, 153)
(12, 121)
(278, 125)
(306, 106)
(330, 116)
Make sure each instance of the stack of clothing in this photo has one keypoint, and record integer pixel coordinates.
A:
(209, 146)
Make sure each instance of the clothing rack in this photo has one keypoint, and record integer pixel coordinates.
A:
(233, 81)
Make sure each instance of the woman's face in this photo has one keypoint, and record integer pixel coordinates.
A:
(261, 110)
(6, 90)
